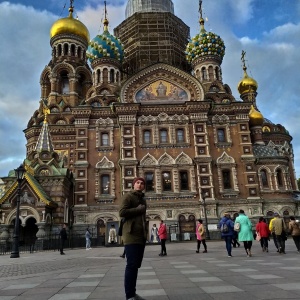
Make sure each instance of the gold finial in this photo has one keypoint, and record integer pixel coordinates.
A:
(71, 8)
(46, 112)
(243, 60)
(201, 21)
(105, 22)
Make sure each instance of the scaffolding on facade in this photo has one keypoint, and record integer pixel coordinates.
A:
(150, 37)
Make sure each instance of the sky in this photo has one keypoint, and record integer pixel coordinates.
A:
(269, 32)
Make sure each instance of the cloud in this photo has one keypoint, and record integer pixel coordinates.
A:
(272, 58)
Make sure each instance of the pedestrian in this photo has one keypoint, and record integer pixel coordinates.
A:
(294, 229)
(245, 234)
(226, 226)
(162, 233)
(63, 237)
(201, 236)
(273, 234)
(235, 238)
(133, 209)
(262, 229)
(87, 240)
(154, 234)
(112, 235)
(279, 228)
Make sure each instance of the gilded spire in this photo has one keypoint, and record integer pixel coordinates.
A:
(71, 9)
(201, 21)
(44, 142)
(247, 84)
(105, 22)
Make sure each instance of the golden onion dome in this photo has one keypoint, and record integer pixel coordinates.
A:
(256, 118)
(247, 84)
(69, 25)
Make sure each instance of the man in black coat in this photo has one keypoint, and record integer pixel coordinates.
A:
(63, 237)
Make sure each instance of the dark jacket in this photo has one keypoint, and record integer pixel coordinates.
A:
(134, 228)
(63, 234)
(230, 226)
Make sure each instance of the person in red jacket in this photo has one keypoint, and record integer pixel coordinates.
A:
(162, 232)
(263, 230)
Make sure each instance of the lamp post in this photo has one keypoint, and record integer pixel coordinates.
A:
(203, 195)
(20, 172)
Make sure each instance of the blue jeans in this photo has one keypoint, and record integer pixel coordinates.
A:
(134, 255)
(228, 242)
(88, 243)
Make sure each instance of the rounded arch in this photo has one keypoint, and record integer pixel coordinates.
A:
(31, 212)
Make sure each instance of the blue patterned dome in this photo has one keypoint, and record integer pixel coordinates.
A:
(205, 44)
(105, 45)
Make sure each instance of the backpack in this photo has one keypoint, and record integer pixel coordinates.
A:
(237, 227)
(224, 228)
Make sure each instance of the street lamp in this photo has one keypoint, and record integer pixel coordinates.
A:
(20, 172)
(203, 195)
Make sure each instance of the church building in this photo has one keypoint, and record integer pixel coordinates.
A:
(146, 100)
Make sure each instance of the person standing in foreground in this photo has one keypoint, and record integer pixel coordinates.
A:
(133, 209)
(294, 229)
(227, 234)
(162, 233)
(245, 233)
(201, 236)
(263, 230)
(88, 240)
(63, 237)
(278, 226)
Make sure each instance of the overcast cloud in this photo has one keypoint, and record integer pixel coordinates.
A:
(268, 34)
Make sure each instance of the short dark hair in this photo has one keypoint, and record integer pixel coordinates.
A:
(241, 211)
(292, 218)
(200, 221)
(261, 219)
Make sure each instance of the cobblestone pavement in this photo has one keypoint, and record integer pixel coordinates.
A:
(183, 274)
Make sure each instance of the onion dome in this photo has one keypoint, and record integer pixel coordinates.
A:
(205, 44)
(105, 45)
(256, 118)
(247, 84)
(69, 25)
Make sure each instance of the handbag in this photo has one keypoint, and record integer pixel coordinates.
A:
(283, 233)
(258, 237)
(237, 227)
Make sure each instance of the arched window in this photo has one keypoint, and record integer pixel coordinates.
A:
(166, 181)
(279, 178)
(221, 135)
(79, 50)
(163, 136)
(211, 73)
(66, 49)
(204, 73)
(147, 137)
(59, 50)
(149, 178)
(98, 78)
(65, 88)
(105, 186)
(226, 179)
(112, 76)
(73, 50)
(104, 139)
(217, 73)
(184, 180)
(264, 178)
(180, 135)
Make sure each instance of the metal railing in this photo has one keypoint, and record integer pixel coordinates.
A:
(50, 242)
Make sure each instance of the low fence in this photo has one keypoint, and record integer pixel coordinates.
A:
(50, 243)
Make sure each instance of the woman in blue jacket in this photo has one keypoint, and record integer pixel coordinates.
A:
(227, 233)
